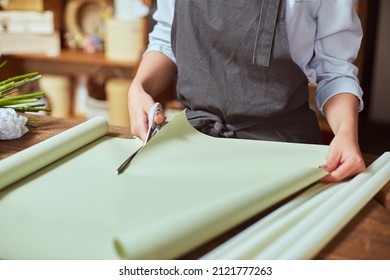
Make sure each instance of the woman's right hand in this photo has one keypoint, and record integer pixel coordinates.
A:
(140, 103)
(155, 72)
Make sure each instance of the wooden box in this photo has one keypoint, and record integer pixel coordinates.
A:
(39, 5)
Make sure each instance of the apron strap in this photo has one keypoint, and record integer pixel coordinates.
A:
(213, 125)
(210, 124)
(265, 36)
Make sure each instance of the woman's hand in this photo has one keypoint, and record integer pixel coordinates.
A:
(140, 103)
(344, 159)
(155, 73)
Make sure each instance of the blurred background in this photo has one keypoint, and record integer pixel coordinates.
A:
(89, 50)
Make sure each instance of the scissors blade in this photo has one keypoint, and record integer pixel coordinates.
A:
(152, 128)
(126, 163)
(123, 166)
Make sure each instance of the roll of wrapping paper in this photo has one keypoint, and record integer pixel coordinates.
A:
(40, 155)
(302, 227)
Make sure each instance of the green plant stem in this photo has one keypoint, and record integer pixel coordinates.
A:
(23, 96)
(6, 86)
(13, 85)
(4, 63)
(31, 109)
(17, 102)
(20, 77)
(23, 102)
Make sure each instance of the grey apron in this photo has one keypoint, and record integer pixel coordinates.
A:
(236, 76)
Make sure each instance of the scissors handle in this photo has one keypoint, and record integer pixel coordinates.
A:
(152, 124)
(152, 113)
(152, 127)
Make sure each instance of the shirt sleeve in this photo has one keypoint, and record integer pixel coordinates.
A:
(336, 46)
(160, 37)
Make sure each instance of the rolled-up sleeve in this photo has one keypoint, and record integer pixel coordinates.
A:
(336, 46)
(160, 37)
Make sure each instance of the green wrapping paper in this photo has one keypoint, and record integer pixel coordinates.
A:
(181, 190)
(303, 226)
(44, 153)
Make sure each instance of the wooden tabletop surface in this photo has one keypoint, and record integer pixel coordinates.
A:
(366, 236)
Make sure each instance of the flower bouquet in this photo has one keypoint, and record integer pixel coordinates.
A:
(12, 125)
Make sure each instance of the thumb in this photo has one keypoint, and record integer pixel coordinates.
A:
(332, 161)
(159, 118)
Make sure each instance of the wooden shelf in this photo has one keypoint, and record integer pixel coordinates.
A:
(76, 57)
(71, 63)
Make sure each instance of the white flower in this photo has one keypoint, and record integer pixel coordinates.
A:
(12, 125)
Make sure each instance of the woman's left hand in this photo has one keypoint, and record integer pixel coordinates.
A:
(344, 158)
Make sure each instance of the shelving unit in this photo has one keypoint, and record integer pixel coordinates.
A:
(74, 64)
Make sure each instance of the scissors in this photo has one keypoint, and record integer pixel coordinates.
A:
(152, 130)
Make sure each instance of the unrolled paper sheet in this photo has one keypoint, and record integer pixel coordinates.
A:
(181, 190)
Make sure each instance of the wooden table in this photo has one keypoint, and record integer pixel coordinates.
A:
(366, 236)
